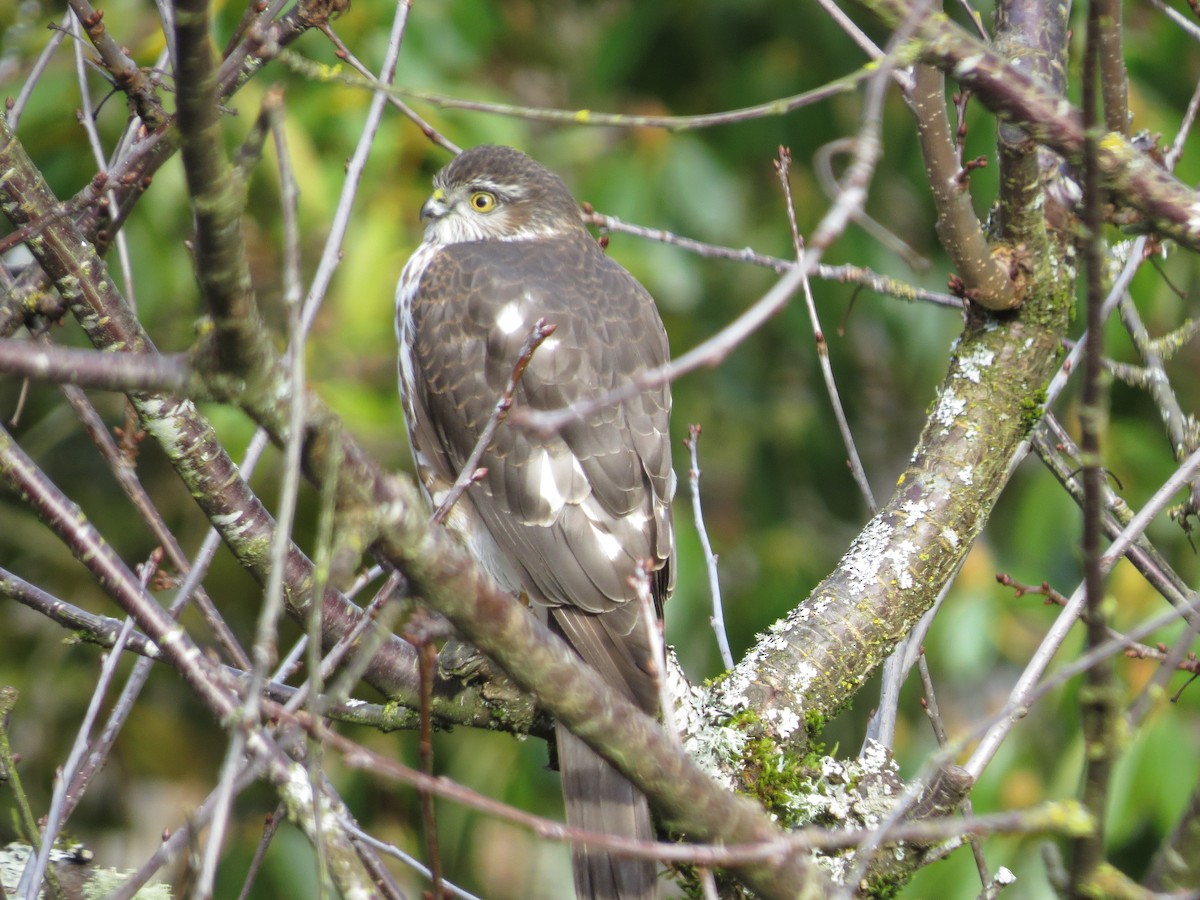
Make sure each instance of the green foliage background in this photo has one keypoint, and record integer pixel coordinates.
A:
(780, 505)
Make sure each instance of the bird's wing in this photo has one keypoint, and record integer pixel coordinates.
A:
(576, 512)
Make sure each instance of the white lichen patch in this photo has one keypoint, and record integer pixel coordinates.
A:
(761, 666)
(854, 793)
(865, 557)
(899, 557)
(790, 677)
(875, 556)
(848, 794)
(949, 407)
(972, 364)
(716, 748)
(784, 720)
(914, 511)
(967, 475)
(1118, 255)
(966, 66)
(950, 536)
(77, 861)
(813, 608)
(226, 523)
(163, 419)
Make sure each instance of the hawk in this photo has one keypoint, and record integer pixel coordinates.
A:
(567, 519)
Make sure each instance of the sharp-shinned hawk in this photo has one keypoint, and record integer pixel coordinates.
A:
(569, 518)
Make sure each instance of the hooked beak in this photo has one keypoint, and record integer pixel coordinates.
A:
(435, 207)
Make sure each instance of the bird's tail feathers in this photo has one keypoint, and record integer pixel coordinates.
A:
(600, 799)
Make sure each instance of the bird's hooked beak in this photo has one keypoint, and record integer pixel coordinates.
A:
(435, 207)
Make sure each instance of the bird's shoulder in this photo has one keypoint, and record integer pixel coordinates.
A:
(568, 274)
(489, 294)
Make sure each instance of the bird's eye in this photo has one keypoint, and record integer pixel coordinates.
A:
(483, 201)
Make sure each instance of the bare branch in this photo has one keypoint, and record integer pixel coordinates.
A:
(985, 280)
(125, 73)
(1097, 699)
(1114, 84)
(717, 619)
(781, 107)
(428, 130)
(844, 274)
(93, 369)
(222, 270)
(782, 167)
(1016, 97)
(186, 437)
(1022, 693)
(354, 171)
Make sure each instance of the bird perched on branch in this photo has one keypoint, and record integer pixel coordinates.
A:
(569, 519)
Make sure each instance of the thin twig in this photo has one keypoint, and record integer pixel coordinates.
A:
(929, 701)
(427, 658)
(712, 352)
(1060, 455)
(35, 870)
(1172, 661)
(856, 34)
(782, 169)
(343, 52)
(1049, 818)
(1027, 687)
(270, 826)
(124, 72)
(412, 862)
(1179, 426)
(843, 274)
(653, 626)
(332, 253)
(100, 748)
(37, 70)
(823, 168)
(717, 619)
(576, 117)
(881, 728)
(1191, 28)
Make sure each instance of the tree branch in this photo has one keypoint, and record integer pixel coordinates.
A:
(125, 73)
(986, 281)
(101, 371)
(1097, 696)
(1130, 174)
(222, 270)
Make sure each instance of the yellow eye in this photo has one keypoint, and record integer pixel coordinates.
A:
(483, 201)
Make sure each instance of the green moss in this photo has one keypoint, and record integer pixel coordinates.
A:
(882, 888)
(1032, 408)
(770, 775)
(814, 724)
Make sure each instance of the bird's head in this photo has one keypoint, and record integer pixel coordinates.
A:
(497, 193)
